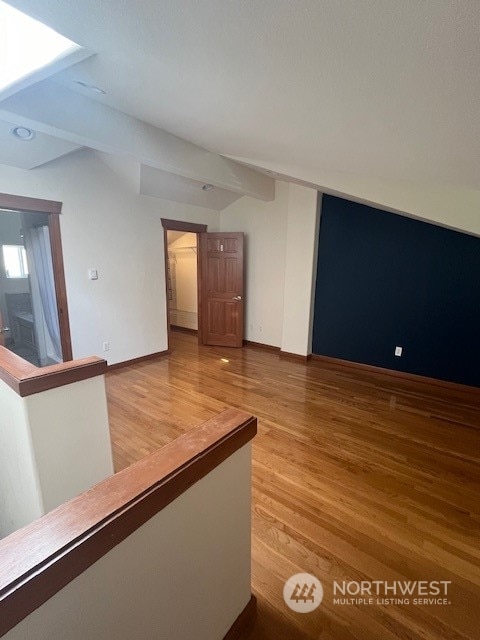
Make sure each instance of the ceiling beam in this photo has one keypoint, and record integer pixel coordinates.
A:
(67, 60)
(50, 108)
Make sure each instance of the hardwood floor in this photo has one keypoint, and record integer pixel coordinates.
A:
(355, 477)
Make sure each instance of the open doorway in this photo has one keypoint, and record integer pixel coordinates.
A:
(182, 278)
(215, 262)
(182, 275)
(33, 311)
(29, 322)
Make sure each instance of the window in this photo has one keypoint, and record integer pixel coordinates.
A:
(27, 45)
(15, 261)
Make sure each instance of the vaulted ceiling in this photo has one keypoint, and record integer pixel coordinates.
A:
(338, 93)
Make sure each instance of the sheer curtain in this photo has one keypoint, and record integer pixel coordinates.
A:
(38, 241)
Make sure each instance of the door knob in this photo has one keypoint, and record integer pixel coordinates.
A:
(4, 329)
(237, 298)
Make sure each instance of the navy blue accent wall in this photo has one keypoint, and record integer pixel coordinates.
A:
(384, 280)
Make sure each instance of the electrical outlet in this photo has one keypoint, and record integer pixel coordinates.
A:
(106, 346)
(398, 351)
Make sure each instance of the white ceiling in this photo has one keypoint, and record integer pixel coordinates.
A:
(376, 89)
(27, 155)
(173, 236)
(169, 186)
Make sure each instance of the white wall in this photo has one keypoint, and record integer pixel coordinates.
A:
(265, 228)
(53, 445)
(162, 581)
(70, 439)
(281, 239)
(442, 204)
(300, 270)
(186, 282)
(20, 496)
(10, 227)
(106, 225)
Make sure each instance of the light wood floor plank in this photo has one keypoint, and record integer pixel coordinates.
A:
(355, 477)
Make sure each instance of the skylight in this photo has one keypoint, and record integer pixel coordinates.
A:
(26, 46)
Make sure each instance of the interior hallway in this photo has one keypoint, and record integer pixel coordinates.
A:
(352, 480)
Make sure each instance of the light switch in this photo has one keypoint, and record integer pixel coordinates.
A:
(93, 274)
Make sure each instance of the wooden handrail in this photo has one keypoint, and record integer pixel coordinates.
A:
(39, 560)
(26, 379)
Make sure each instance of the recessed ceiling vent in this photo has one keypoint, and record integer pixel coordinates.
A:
(23, 133)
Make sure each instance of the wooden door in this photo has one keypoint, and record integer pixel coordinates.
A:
(221, 289)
